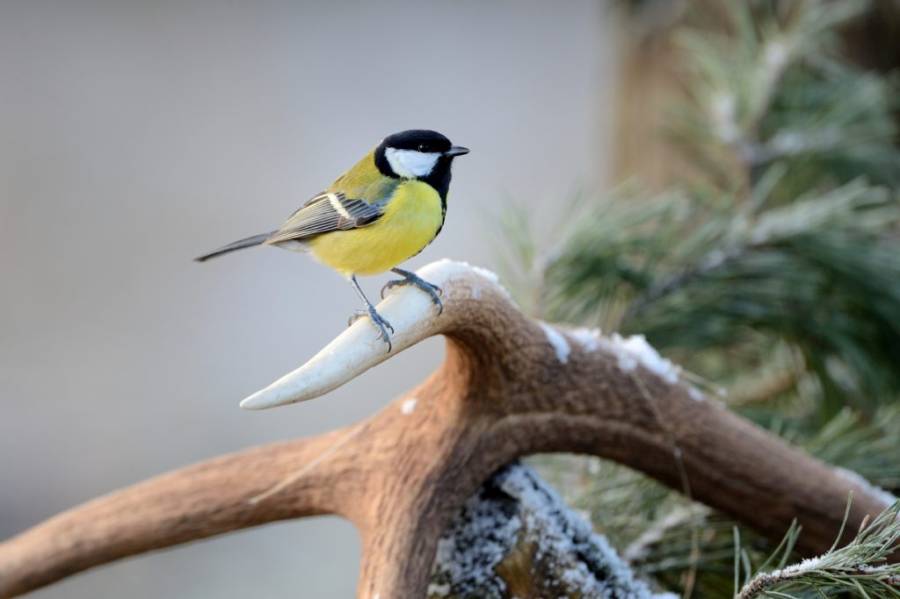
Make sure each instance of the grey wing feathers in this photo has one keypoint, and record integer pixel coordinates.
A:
(325, 213)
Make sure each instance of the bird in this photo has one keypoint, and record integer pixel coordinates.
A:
(383, 211)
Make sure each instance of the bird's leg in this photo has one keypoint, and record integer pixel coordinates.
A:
(411, 278)
(372, 313)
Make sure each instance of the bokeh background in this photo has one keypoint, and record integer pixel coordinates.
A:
(135, 135)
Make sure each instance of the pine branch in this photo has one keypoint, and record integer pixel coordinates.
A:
(859, 567)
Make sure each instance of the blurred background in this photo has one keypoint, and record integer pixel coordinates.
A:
(136, 135)
(719, 176)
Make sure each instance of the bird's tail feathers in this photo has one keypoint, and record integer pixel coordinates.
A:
(236, 245)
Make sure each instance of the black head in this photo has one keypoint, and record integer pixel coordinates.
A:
(418, 154)
(420, 140)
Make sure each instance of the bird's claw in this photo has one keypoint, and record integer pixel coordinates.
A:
(380, 323)
(434, 292)
(391, 284)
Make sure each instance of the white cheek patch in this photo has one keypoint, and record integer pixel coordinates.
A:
(410, 164)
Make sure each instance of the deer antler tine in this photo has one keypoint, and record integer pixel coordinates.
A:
(359, 348)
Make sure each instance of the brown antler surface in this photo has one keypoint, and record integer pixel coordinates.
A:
(509, 386)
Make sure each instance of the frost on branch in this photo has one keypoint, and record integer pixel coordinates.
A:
(516, 538)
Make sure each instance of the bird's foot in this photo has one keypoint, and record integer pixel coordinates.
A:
(434, 292)
(380, 323)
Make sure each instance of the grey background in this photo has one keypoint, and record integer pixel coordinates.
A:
(134, 135)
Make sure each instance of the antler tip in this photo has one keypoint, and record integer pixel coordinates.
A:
(262, 400)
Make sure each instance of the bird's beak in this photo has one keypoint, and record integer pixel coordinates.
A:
(456, 151)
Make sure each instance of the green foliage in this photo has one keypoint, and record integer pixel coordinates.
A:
(772, 269)
(790, 235)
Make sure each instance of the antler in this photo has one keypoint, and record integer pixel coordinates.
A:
(509, 386)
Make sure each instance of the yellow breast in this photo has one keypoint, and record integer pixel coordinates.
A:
(411, 219)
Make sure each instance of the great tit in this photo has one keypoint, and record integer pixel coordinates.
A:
(383, 211)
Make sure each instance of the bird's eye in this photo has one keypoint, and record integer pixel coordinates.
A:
(422, 148)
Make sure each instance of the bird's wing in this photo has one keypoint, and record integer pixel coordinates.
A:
(326, 212)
